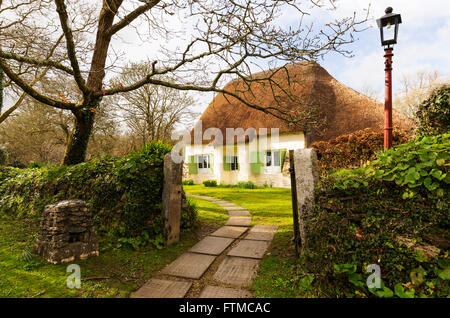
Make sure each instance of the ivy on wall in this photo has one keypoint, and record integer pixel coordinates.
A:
(125, 193)
(433, 114)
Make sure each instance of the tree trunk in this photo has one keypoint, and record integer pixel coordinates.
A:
(79, 139)
(2, 76)
(84, 117)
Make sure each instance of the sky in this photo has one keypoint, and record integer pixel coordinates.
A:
(423, 44)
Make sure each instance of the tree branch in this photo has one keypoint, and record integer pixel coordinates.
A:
(132, 16)
(32, 92)
(63, 17)
(32, 61)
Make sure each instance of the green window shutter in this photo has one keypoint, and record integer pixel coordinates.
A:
(211, 163)
(283, 157)
(256, 162)
(226, 164)
(192, 164)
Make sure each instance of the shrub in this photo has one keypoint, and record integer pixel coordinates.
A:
(210, 183)
(2, 157)
(17, 164)
(125, 193)
(354, 149)
(188, 182)
(246, 185)
(433, 114)
(363, 217)
(189, 217)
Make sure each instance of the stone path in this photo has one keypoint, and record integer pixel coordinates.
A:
(220, 265)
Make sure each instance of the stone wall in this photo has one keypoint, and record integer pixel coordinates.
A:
(66, 232)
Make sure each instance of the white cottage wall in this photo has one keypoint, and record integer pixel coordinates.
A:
(242, 150)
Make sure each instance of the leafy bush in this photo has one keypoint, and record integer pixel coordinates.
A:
(189, 217)
(433, 114)
(354, 149)
(389, 214)
(246, 185)
(2, 157)
(188, 182)
(124, 193)
(17, 164)
(419, 168)
(210, 183)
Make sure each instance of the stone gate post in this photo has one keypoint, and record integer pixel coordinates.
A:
(307, 178)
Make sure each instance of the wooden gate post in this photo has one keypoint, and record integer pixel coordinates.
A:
(171, 199)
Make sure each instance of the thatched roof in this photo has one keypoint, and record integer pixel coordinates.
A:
(324, 107)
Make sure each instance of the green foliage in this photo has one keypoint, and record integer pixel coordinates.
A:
(188, 182)
(210, 183)
(433, 114)
(124, 193)
(419, 168)
(246, 185)
(189, 217)
(363, 214)
(241, 185)
(2, 157)
(17, 164)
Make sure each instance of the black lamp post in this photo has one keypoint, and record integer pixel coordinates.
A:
(388, 25)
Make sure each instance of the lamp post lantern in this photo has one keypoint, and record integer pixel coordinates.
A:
(388, 25)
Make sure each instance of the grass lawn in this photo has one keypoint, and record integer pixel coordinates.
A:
(277, 276)
(115, 273)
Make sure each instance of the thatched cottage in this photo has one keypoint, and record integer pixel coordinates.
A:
(324, 108)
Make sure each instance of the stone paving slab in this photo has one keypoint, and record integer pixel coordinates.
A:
(233, 208)
(226, 205)
(223, 292)
(189, 265)
(238, 213)
(230, 231)
(237, 271)
(159, 288)
(250, 249)
(200, 196)
(262, 233)
(211, 245)
(239, 221)
(221, 203)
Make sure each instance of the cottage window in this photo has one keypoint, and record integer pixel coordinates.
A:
(234, 163)
(273, 158)
(203, 163)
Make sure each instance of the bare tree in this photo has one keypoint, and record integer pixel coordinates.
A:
(414, 89)
(369, 91)
(226, 38)
(39, 42)
(151, 112)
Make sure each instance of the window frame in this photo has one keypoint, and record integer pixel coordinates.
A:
(201, 162)
(275, 155)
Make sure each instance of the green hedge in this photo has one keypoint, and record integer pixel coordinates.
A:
(363, 217)
(124, 193)
(433, 114)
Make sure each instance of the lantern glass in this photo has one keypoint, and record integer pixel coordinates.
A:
(389, 33)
